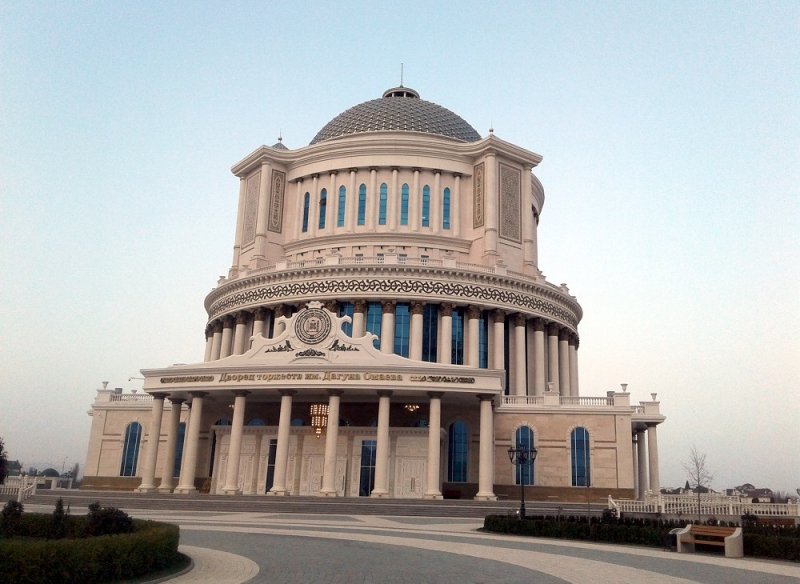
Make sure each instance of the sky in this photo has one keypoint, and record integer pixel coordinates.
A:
(671, 143)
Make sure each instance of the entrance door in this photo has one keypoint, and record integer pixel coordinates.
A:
(410, 482)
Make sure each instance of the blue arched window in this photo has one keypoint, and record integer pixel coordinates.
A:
(483, 340)
(362, 204)
(579, 445)
(446, 209)
(457, 452)
(176, 468)
(256, 422)
(384, 196)
(430, 333)
(457, 337)
(323, 208)
(402, 329)
(306, 205)
(341, 209)
(524, 439)
(404, 205)
(130, 449)
(426, 206)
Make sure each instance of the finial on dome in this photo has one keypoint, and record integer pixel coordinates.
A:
(401, 74)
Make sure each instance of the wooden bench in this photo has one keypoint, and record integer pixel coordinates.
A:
(728, 538)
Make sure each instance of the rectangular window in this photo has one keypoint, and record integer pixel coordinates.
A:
(374, 316)
(342, 205)
(381, 258)
(457, 341)
(359, 258)
(362, 204)
(384, 195)
(402, 258)
(423, 260)
(402, 328)
(430, 331)
(367, 476)
(347, 309)
(273, 448)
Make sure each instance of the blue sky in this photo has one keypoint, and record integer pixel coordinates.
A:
(671, 144)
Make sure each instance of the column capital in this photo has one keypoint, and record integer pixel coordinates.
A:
(485, 396)
(446, 309)
(563, 334)
(388, 305)
(240, 392)
(417, 308)
(227, 321)
(360, 305)
(473, 311)
(288, 392)
(177, 401)
(498, 315)
(159, 395)
(519, 319)
(198, 394)
(258, 313)
(241, 317)
(553, 328)
(217, 326)
(279, 310)
(335, 392)
(538, 324)
(435, 394)
(384, 393)
(332, 305)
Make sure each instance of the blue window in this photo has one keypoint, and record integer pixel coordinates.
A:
(323, 208)
(457, 451)
(306, 205)
(483, 340)
(256, 422)
(342, 203)
(446, 209)
(347, 309)
(402, 327)
(384, 195)
(367, 477)
(273, 450)
(457, 337)
(374, 316)
(426, 206)
(430, 333)
(524, 439)
(176, 468)
(579, 443)
(130, 449)
(362, 204)
(404, 205)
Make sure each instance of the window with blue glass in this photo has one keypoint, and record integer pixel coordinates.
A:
(457, 452)
(579, 443)
(306, 206)
(457, 337)
(382, 202)
(366, 480)
(271, 454)
(323, 208)
(446, 209)
(483, 340)
(362, 204)
(176, 468)
(347, 309)
(130, 450)
(373, 317)
(256, 422)
(342, 205)
(402, 328)
(430, 331)
(426, 206)
(524, 472)
(404, 205)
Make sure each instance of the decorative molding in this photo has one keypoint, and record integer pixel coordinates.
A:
(280, 348)
(478, 197)
(276, 201)
(510, 201)
(310, 353)
(251, 208)
(337, 346)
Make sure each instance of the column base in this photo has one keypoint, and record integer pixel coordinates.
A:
(185, 491)
(326, 494)
(278, 493)
(485, 497)
(379, 494)
(432, 496)
(164, 489)
(145, 489)
(231, 491)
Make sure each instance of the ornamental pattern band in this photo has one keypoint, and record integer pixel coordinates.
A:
(315, 288)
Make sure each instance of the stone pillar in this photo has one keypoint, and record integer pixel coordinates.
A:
(227, 334)
(359, 318)
(414, 203)
(563, 363)
(473, 334)
(432, 490)
(634, 458)
(446, 334)
(455, 207)
(262, 212)
(300, 199)
(436, 202)
(191, 444)
(282, 448)
(172, 441)
(280, 325)
(552, 353)
(151, 455)
(381, 488)
(235, 448)
(331, 442)
(258, 324)
(652, 459)
(387, 326)
(392, 202)
(538, 357)
(372, 200)
(351, 207)
(498, 348)
(573, 365)
(486, 451)
(209, 344)
(520, 377)
(490, 205)
(528, 223)
(415, 331)
(313, 211)
(237, 245)
(641, 456)
(333, 204)
(216, 341)
(239, 334)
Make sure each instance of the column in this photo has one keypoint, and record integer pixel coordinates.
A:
(393, 202)
(520, 379)
(415, 331)
(209, 344)
(563, 363)
(538, 357)
(414, 203)
(282, 449)
(216, 341)
(387, 326)
(237, 245)
(151, 456)
(528, 224)
(191, 444)
(381, 488)
(372, 199)
(446, 334)
(573, 365)
(486, 452)
(299, 199)
(641, 456)
(351, 206)
(263, 212)
(436, 202)
(172, 441)
(258, 323)
(359, 322)
(432, 490)
(235, 448)
(498, 349)
(490, 204)
(227, 333)
(313, 207)
(331, 441)
(473, 334)
(239, 334)
(333, 205)
(280, 325)
(652, 459)
(552, 353)
(635, 468)
(455, 207)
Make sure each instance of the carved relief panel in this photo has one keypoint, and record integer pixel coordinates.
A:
(510, 203)
(250, 208)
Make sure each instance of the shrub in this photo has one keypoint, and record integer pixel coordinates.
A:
(107, 521)
(11, 518)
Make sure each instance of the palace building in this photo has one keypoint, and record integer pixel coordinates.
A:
(384, 330)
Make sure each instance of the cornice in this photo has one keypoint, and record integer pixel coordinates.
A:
(385, 238)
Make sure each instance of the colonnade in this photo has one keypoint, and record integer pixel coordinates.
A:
(230, 475)
(542, 356)
(645, 461)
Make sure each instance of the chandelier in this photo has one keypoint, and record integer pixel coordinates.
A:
(411, 407)
(319, 417)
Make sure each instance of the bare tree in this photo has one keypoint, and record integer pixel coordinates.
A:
(698, 473)
(3, 462)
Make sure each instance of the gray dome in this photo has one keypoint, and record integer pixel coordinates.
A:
(400, 109)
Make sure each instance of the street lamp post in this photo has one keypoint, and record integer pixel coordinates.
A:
(521, 456)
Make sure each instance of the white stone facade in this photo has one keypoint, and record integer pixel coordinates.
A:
(412, 242)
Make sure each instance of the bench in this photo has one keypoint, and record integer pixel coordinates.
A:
(728, 538)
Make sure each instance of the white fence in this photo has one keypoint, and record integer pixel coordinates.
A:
(709, 505)
(21, 487)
